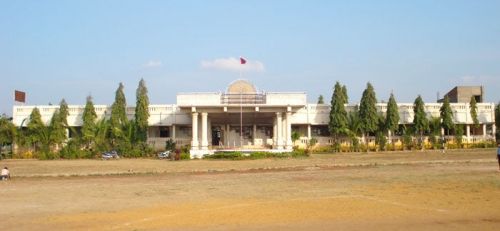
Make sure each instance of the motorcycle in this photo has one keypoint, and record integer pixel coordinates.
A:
(110, 155)
(164, 155)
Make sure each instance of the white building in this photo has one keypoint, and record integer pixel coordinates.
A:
(244, 118)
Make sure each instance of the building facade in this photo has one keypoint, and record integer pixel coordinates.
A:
(243, 118)
(463, 94)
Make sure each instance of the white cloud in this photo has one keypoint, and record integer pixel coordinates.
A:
(232, 64)
(152, 64)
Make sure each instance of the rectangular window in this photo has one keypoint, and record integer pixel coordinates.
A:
(164, 132)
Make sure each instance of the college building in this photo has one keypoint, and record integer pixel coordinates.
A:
(243, 118)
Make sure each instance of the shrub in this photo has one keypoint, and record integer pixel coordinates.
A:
(256, 155)
(185, 156)
(170, 145)
(381, 140)
(324, 149)
(226, 155)
(407, 141)
(48, 155)
(355, 144)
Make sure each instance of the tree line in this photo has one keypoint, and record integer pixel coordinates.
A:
(366, 121)
(128, 137)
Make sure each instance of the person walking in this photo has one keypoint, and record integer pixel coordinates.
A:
(5, 175)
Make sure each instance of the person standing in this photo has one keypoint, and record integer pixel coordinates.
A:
(5, 175)
(498, 157)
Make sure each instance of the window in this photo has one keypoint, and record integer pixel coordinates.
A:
(320, 130)
(164, 132)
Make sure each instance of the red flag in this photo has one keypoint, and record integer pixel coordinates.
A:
(242, 60)
(20, 96)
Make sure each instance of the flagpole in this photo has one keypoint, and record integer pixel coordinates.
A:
(242, 61)
(241, 113)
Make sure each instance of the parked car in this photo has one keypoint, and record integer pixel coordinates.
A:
(164, 155)
(110, 155)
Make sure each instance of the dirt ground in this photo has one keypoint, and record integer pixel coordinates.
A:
(459, 190)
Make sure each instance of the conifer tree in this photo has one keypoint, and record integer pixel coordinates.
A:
(344, 94)
(420, 121)
(118, 114)
(368, 111)
(63, 112)
(141, 112)
(320, 99)
(338, 115)
(446, 115)
(36, 128)
(89, 122)
(473, 111)
(57, 131)
(392, 116)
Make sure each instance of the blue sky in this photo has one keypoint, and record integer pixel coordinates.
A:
(70, 49)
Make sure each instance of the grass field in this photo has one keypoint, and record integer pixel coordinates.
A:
(458, 190)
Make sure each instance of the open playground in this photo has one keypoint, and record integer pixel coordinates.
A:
(456, 190)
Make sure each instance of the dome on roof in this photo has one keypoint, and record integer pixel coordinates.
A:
(241, 86)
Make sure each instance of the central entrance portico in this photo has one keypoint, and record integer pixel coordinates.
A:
(240, 119)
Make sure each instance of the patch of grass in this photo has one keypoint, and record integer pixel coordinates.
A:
(255, 155)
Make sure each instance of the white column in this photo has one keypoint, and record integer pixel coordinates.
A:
(309, 133)
(442, 131)
(172, 135)
(484, 130)
(209, 131)
(204, 131)
(275, 133)
(389, 137)
(254, 134)
(289, 143)
(494, 130)
(194, 140)
(279, 131)
(226, 135)
(467, 128)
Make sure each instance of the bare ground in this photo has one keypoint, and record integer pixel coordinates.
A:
(391, 191)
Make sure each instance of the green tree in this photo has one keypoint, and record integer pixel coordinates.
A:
(380, 138)
(7, 133)
(320, 99)
(101, 135)
(57, 131)
(344, 94)
(446, 115)
(420, 121)
(63, 112)
(473, 112)
(141, 112)
(435, 128)
(354, 124)
(459, 134)
(89, 123)
(338, 114)
(118, 114)
(368, 111)
(36, 129)
(392, 115)
(295, 136)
